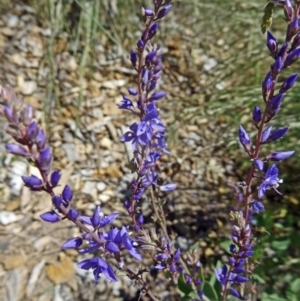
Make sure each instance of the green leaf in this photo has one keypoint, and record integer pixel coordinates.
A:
(266, 20)
(295, 286)
(225, 245)
(210, 292)
(281, 245)
(185, 288)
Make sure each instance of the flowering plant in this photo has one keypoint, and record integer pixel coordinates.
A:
(147, 137)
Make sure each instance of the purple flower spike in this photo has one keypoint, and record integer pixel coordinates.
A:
(17, 149)
(73, 243)
(272, 44)
(50, 217)
(279, 156)
(256, 114)
(164, 11)
(67, 194)
(168, 187)
(278, 134)
(244, 138)
(292, 57)
(288, 83)
(55, 177)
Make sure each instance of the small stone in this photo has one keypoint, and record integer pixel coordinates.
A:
(72, 64)
(101, 186)
(7, 217)
(29, 87)
(106, 143)
(111, 109)
(12, 262)
(104, 198)
(61, 272)
(12, 21)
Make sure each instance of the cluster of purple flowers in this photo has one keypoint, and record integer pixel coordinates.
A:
(147, 135)
(32, 145)
(267, 175)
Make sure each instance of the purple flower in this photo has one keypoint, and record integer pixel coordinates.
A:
(288, 83)
(272, 44)
(244, 138)
(292, 57)
(73, 243)
(33, 182)
(270, 181)
(67, 194)
(278, 134)
(17, 149)
(168, 187)
(279, 156)
(265, 134)
(164, 11)
(99, 266)
(51, 217)
(258, 164)
(257, 206)
(99, 220)
(55, 177)
(256, 114)
(235, 293)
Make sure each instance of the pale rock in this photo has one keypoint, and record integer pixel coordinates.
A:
(29, 87)
(101, 186)
(71, 152)
(8, 217)
(209, 64)
(16, 59)
(89, 188)
(104, 198)
(105, 143)
(72, 64)
(12, 21)
(113, 84)
(18, 169)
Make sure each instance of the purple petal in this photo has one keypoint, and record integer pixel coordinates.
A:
(168, 187)
(67, 194)
(17, 149)
(73, 243)
(279, 156)
(112, 247)
(51, 217)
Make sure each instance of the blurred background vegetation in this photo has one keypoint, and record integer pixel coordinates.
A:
(242, 67)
